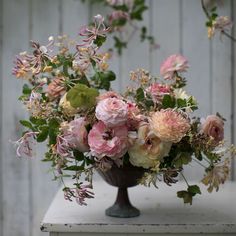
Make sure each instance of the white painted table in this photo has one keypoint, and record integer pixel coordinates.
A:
(162, 213)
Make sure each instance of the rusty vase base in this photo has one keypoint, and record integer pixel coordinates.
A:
(123, 178)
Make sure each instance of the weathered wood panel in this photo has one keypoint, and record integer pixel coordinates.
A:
(45, 21)
(14, 172)
(26, 188)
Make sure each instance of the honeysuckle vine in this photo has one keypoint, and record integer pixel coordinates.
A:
(216, 23)
(123, 19)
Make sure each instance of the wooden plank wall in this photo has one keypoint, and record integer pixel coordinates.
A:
(26, 188)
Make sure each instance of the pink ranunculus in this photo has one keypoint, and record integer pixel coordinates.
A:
(109, 94)
(112, 111)
(169, 125)
(158, 91)
(106, 141)
(174, 63)
(213, 126)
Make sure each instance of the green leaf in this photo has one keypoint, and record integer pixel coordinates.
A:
(26, 123)
(140, 95)
(168, 102)
(187, 197)
(181, 103)
(37, 121)
(42, 136)
(26, 89)
(99, 40)
(183, 158)
(74, 168)
(53, 130)
(79, 156)
(194, 189)
(82, 96)
(119, 45)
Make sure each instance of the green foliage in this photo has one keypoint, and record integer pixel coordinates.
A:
(102, 80)
(140, 95)
(189, 194)
(100, 40)
(182, 158)
(168, 102)
(119, 44)
(138, 9)
(81, 96)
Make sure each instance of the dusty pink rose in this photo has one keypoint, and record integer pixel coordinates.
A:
(109, 94)
(112, 111)
(76, 135)
(174, 63)
(169, 125)
(158, 91)
(106, 141)
(213, 126)
(56, 88)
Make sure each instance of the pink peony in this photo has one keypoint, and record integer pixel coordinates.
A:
(105, 141)
(174, 63)
(109, 94)
(169, 125)
(112, 111)
(213, 126)
(158, 91)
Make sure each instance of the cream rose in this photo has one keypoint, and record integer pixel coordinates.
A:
(148, 150)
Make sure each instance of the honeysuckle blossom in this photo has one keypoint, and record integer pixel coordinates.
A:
(105, 141)
(25, 145)
(112, 111)
(91, 33)
(169, 125)
(56, 88)
(174, 63)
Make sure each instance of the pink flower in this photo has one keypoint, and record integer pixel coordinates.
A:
(118, 15)
(112, 111)
(56, 88)
(158, 91)
(174, 63)
(213, 126)
(169, 125)
(105, 141)
(76, 134)
(222, 23)
(109, 94)
(134, 116)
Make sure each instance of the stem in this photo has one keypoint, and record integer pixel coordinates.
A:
(209, 18)
(184, 178)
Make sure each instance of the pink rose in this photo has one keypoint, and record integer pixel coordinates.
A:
(112, 111)
(174, 63)
(76, 135)
(213, 126)
(106, 141)
(109, 94)
(158, 91)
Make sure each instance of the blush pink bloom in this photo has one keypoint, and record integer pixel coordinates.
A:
(169, 125)
(174, 63)
(213, 126)
(109, 94)
(76, 134)
(158, 91)
(112, 111)
(56, 88)
(109, 142)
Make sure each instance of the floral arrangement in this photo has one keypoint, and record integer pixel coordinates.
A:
(88, 126)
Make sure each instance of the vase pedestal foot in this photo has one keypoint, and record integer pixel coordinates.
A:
(122, 207)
